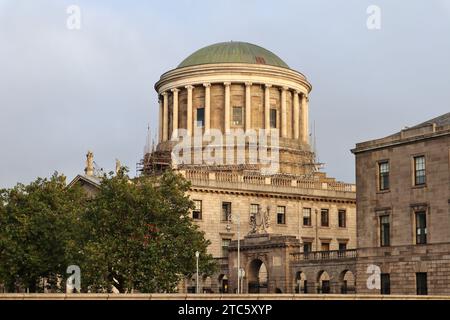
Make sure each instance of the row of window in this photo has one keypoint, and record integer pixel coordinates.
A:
(281, 214)
(420, 229)
(384, 173)
(421, 283)
(237, 114)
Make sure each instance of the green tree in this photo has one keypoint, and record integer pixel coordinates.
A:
(140, 235)
(132, 235)
(35, 229)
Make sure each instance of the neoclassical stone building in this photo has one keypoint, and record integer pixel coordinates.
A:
(236, 86)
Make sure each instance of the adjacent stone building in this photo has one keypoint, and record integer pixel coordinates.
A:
(403, 209)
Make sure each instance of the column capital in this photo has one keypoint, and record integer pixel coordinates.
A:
(175, 90)
(164, 94)
(297, 92)
(189, 87)
(248, 84)
(268, 85)
(207, 85)
(284, 88)
(227, 84)
(305, 96)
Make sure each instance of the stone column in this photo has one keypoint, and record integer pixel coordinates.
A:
(284, 112)
(267, 107)
(175, 112)
(296, 115)
(305, 120)
(165, 115)
(189, 109)
(161, 111)
(227, 105)
(207, 106)
(248, 105)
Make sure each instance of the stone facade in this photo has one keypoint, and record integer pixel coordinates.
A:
(270, 97)
(414, 248)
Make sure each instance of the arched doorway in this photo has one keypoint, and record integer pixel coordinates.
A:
(207, 284)
(347, 282)
(323, 279)
(223, 283)
(257, 277)
(301, 284)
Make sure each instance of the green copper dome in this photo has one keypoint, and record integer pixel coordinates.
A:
(233, 52)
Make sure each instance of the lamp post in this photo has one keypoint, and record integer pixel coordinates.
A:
(197, 254)
(239, 252)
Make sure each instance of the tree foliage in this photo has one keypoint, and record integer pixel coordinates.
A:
(132, 235)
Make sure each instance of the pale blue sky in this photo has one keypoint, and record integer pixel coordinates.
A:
(63, 92)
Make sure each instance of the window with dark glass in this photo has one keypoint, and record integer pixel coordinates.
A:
(383, 168)
(273, 118)
(342, 217)
(197, 212)
(281, 215)
(421, 227)
(419, 171)
(225, 245)
(307, 216)
(238, 116)
(307, 247)
(385, 230)
(226, 211)
(342, 246)
(421, 283)
(324, 221)
(200, 117)
(385, 283)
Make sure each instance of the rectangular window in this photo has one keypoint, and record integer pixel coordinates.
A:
(281, 215)
(307, 247)
(385, 229)
(421, 227)
(307, 217)
(419, 171)
(324, 221)
(226, 211)
(225, 245)
(421, 284)
(200, 117)
(273, 118)
(325, 246)
(383, 168)
(342, 217)
(254, 209)
(342, 246)
(385, 283)
(238, 116)
(197, 212)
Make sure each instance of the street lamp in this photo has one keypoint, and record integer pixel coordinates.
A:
(197, 254)
(239, 272)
